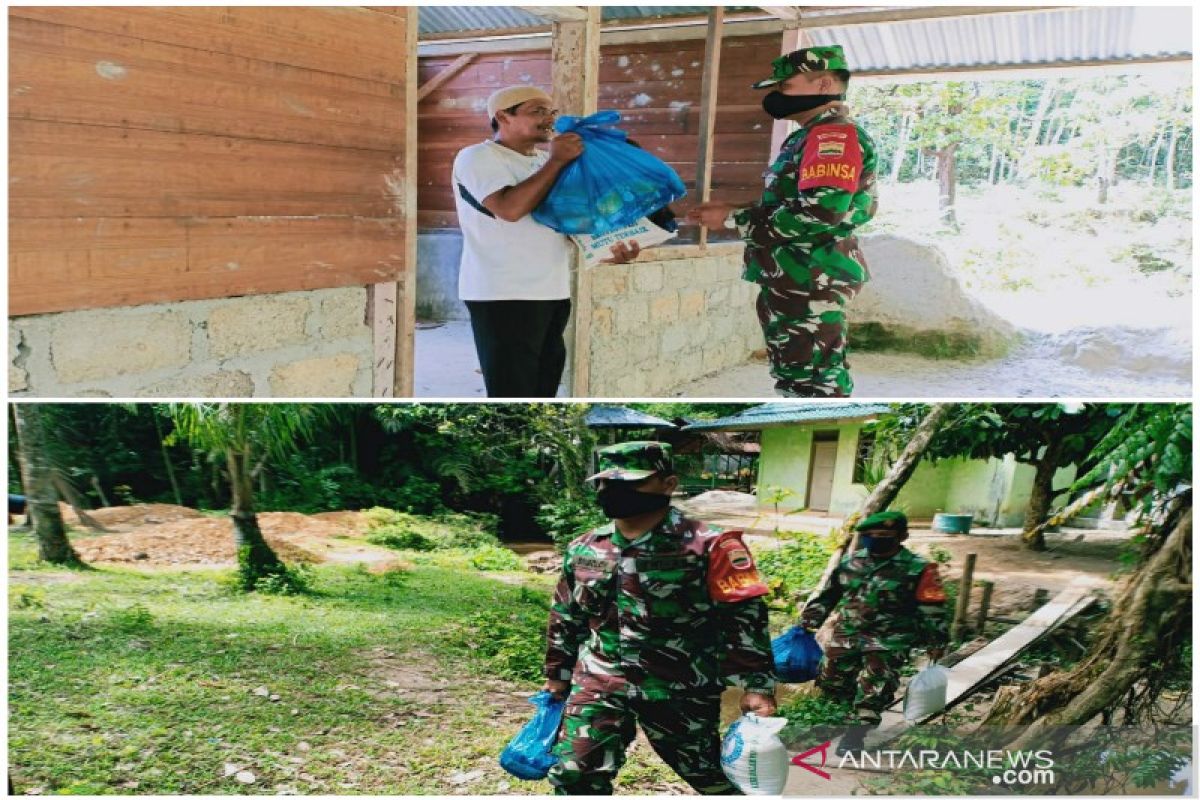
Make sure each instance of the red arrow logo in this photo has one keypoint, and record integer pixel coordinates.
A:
(823, 749)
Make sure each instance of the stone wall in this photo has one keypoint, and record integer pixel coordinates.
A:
(293, 344)
(656, 325)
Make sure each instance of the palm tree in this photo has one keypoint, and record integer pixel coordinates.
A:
(41, 495)
(246, 436)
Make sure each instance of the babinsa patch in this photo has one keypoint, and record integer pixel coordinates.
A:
(593, 564)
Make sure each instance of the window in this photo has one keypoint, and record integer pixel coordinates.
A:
(864, 456)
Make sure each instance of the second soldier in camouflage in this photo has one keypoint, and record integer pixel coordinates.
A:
(887, 600)
(800, 244)
(654, 615)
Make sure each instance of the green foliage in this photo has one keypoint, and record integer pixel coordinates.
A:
(509, 641)
(795, 566)
(566, 518)
(277, 579)
(814, 717)
(1150, 449)
(494, 558)
(402, 531)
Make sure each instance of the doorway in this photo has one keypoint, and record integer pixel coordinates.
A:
(821, 470)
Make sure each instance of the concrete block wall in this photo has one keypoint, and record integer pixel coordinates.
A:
(292, 344)
(657, 325)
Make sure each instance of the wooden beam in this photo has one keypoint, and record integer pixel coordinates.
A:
(708, 109)
(782, 12)
(406, 301)
(457, 66)
(558, 13)
(575, 81)
(793, 38)
(381, 318)
(985, 605)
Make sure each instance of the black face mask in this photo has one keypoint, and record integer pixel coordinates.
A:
(782, 106)
(621, 500)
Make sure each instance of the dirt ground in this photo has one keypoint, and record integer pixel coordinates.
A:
(158, 535)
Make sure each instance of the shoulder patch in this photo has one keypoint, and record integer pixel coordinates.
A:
(832, 158)
(732, 576)
(929, 586)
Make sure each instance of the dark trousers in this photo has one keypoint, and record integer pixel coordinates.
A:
(520, 345)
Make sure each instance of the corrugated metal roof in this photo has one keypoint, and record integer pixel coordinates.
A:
(468, 19)
(773, 415)
(622, 417)
(1075, 34)
(1085, 34)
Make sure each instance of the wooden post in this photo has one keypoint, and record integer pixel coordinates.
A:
(964, 599)
(794, 37)
(708, 109)
(1039, 599)
(985, 604)
(406, 294)
(575, 75)
(391, 306)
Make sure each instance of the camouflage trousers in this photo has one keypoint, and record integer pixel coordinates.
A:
(802, 309)
(598, 727)
(866, 679)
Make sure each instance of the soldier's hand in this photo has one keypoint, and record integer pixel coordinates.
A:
(558, 689)
(623, 253)
(711, 215)
(762, 705)
(566, 147)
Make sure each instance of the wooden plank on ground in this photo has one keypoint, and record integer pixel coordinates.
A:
(968, 674)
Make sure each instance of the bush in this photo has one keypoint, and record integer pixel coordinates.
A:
(440, 532)
(813, 717)
(400, 539)
(796, 565)
(291, 581)
(509, 642)
(493, 558)
(569, 517)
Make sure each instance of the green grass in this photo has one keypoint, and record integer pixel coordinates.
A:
(139, 682)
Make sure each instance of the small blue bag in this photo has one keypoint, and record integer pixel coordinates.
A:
(528, 755)
(611, 185)
(797, 655)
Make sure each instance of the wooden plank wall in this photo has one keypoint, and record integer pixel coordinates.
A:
(656, 87)
(174, 153)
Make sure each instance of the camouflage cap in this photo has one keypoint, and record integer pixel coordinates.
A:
(810, 59)
(632, 461)
(884, 521)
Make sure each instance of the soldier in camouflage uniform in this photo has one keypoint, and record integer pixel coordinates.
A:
(887, 600)
(800, 243)
(653, 616)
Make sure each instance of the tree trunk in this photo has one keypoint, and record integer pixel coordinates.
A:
(256, 559)
(947, 177)
(886, 490)
(901, 149)
(1154, 151)
(1033, 137)
(104, 503)
(166, 457)
(1170, 165)
(1040, 497)
(41, 498)
(1151, 616)
(67, 492)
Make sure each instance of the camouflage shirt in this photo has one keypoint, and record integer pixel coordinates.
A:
(678, 610)
(882, 604)
(819, 189)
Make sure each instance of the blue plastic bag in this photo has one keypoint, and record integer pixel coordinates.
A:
(528, 755)
(797, 656)
(612, 185)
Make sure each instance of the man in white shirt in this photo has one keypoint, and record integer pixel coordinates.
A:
(515, 272)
